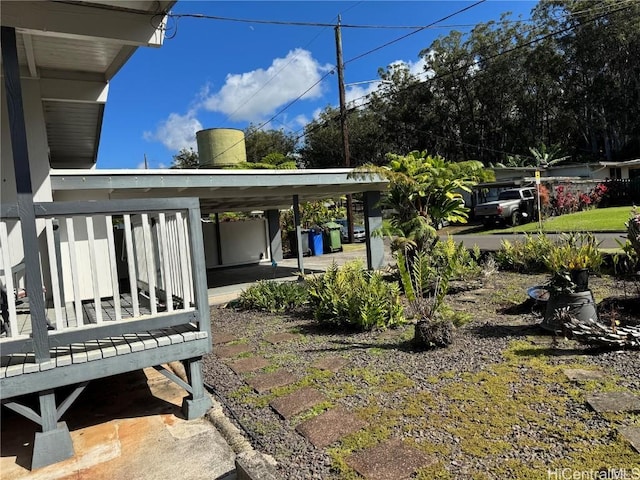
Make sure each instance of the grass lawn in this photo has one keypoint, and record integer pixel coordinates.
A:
(597, 220)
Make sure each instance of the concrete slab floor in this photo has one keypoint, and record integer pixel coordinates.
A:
(126, 426)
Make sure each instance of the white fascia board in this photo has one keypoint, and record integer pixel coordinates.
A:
(77, 91)
(84, 21)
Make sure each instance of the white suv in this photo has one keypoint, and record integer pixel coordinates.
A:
(359, 233)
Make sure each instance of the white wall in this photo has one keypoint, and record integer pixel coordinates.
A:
(103, 266)
(243, 242)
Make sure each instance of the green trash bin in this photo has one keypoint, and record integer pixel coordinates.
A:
(333, 242)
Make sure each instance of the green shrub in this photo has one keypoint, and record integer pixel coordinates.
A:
(272, 296)
(526, 256)
(462, 262)
(350, 296)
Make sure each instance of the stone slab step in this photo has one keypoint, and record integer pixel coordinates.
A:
(330, 427)
(266, 381)
(582, 375)
(221, 338)
(632, 434)
(614, 402)
(249, 364)
(392, 459)
(228, 351)
(297, 402)
(332, 364)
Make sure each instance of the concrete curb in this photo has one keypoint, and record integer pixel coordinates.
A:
(250, 464)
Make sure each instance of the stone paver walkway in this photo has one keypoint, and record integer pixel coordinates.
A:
(614, 402)
(391, 460)
(330, 427)
(266, 381)
(632, 434)
(249, 364)
(297, 402)
(583, 375)
(228, 351)
(333, 364)
(220, 338)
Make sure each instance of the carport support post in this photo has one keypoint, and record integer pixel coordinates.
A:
(372, 222)
(275, 235)
(296, 223)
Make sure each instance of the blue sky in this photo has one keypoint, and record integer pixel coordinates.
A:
(225, 74)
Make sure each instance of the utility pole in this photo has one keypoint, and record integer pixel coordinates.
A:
(343, 124)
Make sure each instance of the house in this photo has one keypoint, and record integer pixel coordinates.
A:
(103, 272)
(629, 169)
(583, 177)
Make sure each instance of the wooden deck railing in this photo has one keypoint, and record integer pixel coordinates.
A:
(109, 267)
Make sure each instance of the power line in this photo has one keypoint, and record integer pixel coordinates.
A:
(312, 24)
(306, 131)
(356, 58)
(420, 29)
(491, 57)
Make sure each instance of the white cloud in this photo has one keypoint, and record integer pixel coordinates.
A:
(253, 95)
(301, 120)
(356, 95)
(141, 165)
(415, 68)
(177, 131)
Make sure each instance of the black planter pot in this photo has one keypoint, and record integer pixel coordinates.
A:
(581, 305)
(581, 278)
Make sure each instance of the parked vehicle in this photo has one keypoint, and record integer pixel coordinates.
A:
(513, 206)
(359, 233)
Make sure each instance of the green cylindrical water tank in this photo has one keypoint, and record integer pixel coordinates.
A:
(220, 147)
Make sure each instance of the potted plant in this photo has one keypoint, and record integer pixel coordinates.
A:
(570, 261)
(425, 286)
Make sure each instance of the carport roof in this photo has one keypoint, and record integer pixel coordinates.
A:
(218, 190)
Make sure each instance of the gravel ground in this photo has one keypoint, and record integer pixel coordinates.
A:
(401, 376)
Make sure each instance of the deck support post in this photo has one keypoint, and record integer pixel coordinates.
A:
(54, 443)
(198, 402)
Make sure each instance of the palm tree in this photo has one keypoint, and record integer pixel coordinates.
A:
(546, 157)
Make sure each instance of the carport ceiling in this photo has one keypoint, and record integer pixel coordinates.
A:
(218, 190)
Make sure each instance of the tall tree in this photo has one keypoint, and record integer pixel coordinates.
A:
(323, 146)
(186, 158)
(260, 143)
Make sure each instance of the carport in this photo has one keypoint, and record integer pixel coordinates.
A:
(234, 191)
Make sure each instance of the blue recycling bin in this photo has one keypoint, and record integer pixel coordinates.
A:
(315, 241)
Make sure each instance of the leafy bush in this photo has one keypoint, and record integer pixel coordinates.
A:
(629, 261)
(526, 256)
(272, 296)
(462, 262)
(574, 251)
(351, 296)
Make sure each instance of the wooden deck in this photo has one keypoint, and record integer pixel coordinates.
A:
(24, 363)
(86, 359)
(89, 316)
